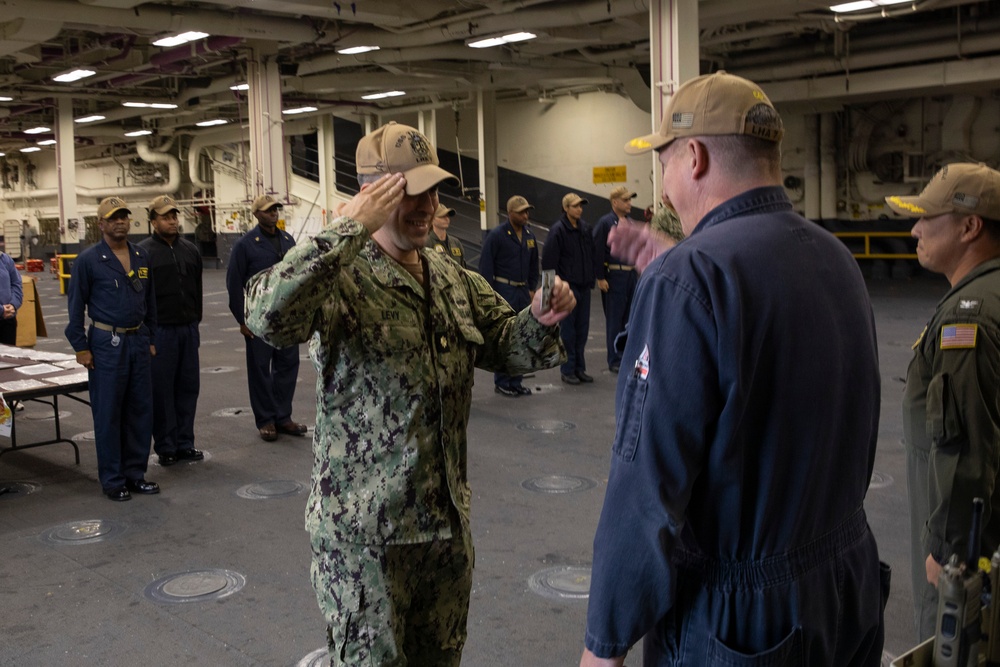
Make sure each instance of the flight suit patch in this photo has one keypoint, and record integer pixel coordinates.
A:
(958, 336)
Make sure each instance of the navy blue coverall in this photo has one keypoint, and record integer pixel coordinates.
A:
(271, 372)
(570, 251)
(120, 384)
(176, 370)
(622, 279)
(511, 267)
(747, 418)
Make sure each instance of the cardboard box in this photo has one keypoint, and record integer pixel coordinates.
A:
(30, 323)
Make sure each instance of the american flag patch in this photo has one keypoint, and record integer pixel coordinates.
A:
(958, 336)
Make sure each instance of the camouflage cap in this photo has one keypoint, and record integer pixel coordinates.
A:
(572, 199)
(394, 149)
(162, 205)
(517, 204)
(710, 105)
(109, 205)
(963, 188)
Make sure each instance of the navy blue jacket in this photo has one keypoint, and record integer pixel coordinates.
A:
(602, 253)
(747, 413)
(10, 282)
(99, 283)
(570, 251)
(504, 256)
(250, 255)
(176, 279)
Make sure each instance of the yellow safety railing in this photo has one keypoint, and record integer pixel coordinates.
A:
(65, 265)
(868, 236)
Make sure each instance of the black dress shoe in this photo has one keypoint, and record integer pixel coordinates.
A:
(167, 459)
(119, 494)
(584, 377)
(506, 391)
(190, 454)
(522, 390)
(142, 486)
(291, 428)
(570, 379)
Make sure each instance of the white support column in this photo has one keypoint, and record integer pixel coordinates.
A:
(673, 30)
(427, 124)
(70, 224)
(486, 116)
(327, 167)
(267, 141)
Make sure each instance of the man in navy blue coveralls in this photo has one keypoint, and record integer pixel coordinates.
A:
(111, 280)
(509, 262)
(569, 251)
(271, 372)
(615, 278)
(733, 530)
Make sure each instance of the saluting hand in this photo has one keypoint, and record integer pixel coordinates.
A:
(637, 244)
(376, 201)
(561, 304)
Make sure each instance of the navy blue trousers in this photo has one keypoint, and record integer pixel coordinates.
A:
(617, 302)
(271, 376)
(122, 405)
(176, 383)
(574, 331)
(519, 298)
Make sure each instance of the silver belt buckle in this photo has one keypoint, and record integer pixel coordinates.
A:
(115, 340)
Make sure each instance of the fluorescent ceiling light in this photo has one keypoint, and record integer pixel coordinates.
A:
(4, 98)
(31, 149)
(502, 39)
(138, 133)
(210, 123)
(74, 75)
(240, 86)
(2, 154)
(299, 110)
(37, 130)
(380, 96)
(148, 105)
(354, 50)
(47, 142)
(182, 38)
(90, 119)
(864, 4)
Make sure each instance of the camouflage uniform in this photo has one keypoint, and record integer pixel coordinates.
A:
(395, 375)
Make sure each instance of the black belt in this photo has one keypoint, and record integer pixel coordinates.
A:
(116, 330)
(509, 282)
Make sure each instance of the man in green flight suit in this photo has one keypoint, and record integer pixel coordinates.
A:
(395, 332)
(951, 408)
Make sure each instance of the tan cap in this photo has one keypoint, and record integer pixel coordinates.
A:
(963, 188)
(264, 203)
(572, 199)
(517, 203)
(395, 149)
(109, 205)
(710, 105)
(162, 205)
(443, 212)
(621, 192)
